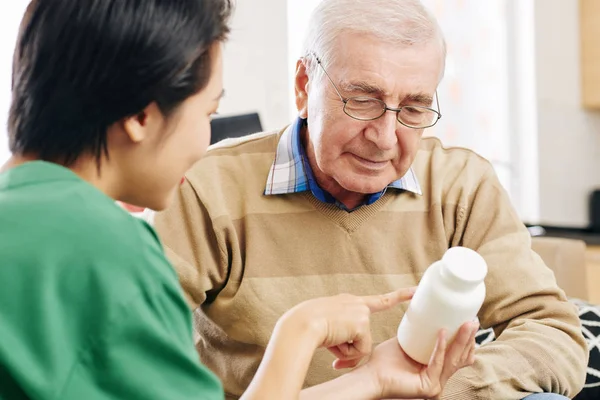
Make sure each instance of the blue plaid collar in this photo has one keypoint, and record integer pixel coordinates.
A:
(291, 172)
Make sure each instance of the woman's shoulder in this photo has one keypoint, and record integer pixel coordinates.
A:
(128, 245)
(78, 230)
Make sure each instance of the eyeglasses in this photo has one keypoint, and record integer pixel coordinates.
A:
(369, 108)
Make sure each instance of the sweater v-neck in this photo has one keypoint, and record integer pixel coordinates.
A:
(349, 221)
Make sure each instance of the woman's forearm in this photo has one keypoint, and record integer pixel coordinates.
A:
(282, 372)
(351, 386)
(285, 364)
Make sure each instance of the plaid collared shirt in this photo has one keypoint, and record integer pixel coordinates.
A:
(291, 172)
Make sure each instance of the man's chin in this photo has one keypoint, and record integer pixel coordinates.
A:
(364, 185)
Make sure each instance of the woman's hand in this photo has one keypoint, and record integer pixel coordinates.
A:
(395, 375)
(339, 323)
(342, 323)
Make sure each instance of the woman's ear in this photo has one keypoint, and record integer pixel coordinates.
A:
(140, 126)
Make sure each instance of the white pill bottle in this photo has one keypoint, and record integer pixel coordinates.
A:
(450, 294)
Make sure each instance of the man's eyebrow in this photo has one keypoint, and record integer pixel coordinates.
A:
(363, 88)
(372, 90)
(419, 98)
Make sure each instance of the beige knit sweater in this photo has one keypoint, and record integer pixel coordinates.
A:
(245, 258)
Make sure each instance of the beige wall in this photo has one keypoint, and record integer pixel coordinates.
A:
(568, 136)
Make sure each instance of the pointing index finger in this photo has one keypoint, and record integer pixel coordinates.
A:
(383, 302)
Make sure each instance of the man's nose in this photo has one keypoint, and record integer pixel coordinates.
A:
(383, 132)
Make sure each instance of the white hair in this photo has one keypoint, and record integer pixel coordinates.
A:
(402, 22)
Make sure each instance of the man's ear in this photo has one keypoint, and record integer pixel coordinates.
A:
(301, 88)
(139, 126)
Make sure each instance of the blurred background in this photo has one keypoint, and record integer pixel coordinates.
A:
(512, 91)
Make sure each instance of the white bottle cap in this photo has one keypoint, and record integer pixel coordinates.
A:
(465, 264)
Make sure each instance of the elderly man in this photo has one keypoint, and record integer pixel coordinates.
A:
(351, 198)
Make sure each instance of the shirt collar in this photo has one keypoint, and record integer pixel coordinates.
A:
(291, 173)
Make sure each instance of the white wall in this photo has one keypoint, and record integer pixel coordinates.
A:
(10, 18)
(568, 136)
(298, 14)
(256, 63)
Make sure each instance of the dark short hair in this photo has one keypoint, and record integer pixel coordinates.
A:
(81, 65)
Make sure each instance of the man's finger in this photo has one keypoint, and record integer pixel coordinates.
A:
(471, 342)
(436, 363)
(471, 355)
(456, 349)
(384, 301)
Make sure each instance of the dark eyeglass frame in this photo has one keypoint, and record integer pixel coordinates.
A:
(384, 106)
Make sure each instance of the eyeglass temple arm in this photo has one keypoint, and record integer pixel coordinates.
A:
(328, 77)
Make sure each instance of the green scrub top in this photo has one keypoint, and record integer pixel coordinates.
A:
(90, 308)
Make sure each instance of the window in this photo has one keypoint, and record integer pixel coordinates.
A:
(474, 91)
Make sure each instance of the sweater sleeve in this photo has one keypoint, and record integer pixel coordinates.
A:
(193, 246)
(539, 345)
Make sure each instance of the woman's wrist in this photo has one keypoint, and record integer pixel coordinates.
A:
(370, 381)
(286, 360)
(307, 328)
(358, 384)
